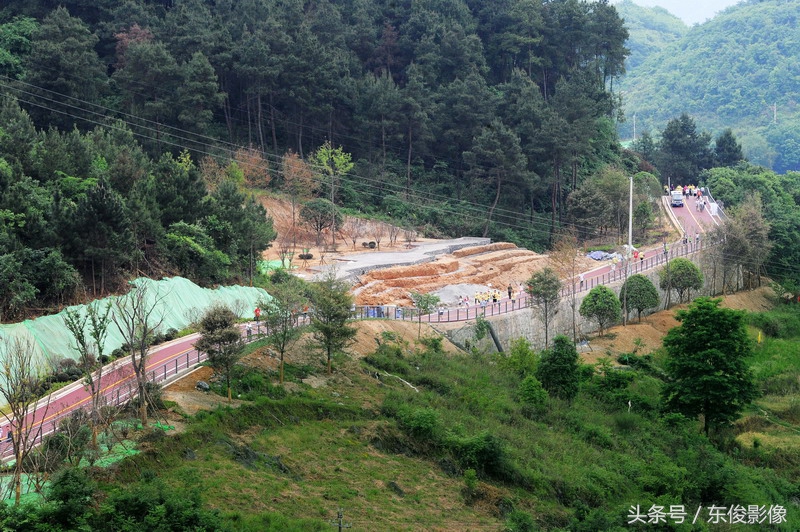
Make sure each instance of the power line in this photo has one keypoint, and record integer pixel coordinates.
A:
(376, 186)
(397, 188)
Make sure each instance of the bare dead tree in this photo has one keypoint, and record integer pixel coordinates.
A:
(298, 180)
(410, 236)
(138, 319)
(89, 332)
(394, 232)
(353, 228)
(22, 381)
(378, 232)
(565, 261)
(286, 248)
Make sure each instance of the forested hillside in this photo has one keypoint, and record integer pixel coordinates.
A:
(739, 71)
(131, 130)
(651, 29)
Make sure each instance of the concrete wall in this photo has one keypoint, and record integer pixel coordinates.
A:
(527, 323)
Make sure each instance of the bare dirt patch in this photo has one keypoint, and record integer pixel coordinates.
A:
(499, 264)
(189, 398)
(650, 332)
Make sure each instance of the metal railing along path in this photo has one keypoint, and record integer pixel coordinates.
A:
(523, 301)
(118, 383)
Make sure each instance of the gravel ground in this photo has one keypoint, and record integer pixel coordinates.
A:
(450, 294)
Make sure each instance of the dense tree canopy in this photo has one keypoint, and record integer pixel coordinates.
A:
(707, 363)
(766, 228)
(88, 209)
(602, 306)
(431, 100)
(735, 71)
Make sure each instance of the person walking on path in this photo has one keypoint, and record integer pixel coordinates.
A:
(580, 277)
(510, 292)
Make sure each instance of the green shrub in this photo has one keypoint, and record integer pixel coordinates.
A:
(69, 499)
(470, 484)
(483, 452)
(519, 521)
(434, 383)
(521, 358)
(597, 435)
(532, 395)
(433, 344)
(626, 422)
(778, 323)
(422, 423)
(250, 384)
(389, 358)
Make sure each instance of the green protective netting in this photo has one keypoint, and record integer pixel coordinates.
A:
(180, 302)
(265, 267)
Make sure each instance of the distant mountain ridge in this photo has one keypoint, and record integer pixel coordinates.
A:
(651, 30)
(739, 70)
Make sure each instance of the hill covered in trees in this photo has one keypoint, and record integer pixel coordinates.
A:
(650, 29)
(737, 71)
(467, 117)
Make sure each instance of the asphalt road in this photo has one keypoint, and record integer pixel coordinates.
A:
(693, 222)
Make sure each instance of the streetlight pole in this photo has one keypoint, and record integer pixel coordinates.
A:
(630, 217)
(629, 252)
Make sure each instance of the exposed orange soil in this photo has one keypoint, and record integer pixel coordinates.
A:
(652, 329)
(499, 264)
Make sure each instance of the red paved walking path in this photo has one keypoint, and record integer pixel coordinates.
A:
(170, 360)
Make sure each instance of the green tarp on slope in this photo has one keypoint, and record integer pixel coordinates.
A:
(180, 302)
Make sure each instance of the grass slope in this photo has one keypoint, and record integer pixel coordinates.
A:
(463, 453)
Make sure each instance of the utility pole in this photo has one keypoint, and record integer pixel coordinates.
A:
(669, 280)
(629, 252)
(333, 205)
(340, 521)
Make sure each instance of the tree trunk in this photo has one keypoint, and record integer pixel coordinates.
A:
(300, 137)
(272, 124)
(494, 204)
(249, 122)
(94, 281)
(142, 397)
(408, 164)
(546, 337)
(226, 108)
(383, 145)
(260, 127)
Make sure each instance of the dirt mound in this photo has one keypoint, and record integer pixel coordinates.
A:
(418, 270)
(498, 265)
(369, 332)
(476, 250)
